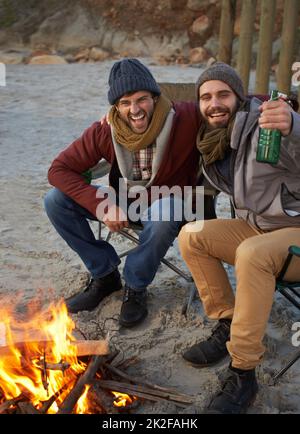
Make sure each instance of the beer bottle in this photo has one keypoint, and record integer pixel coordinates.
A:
(268, 148)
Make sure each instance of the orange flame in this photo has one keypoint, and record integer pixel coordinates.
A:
(82, 403)
(123, 399)
(26, 347)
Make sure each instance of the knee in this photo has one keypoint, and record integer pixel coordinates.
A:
(53, 199)
(250, 253)
(162, 230)
(184, 242)
(189, 236)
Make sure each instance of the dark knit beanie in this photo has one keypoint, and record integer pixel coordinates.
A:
(130, 75)
(223, 72)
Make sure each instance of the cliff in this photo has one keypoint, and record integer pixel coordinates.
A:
(181, 31)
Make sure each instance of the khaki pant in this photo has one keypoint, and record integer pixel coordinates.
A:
(258, 258)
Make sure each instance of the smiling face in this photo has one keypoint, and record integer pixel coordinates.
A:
(217, 102)
(136, 109)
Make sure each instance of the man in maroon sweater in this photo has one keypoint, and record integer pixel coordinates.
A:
(149, 142)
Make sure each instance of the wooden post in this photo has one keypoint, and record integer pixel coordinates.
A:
(288, 42)
(226, 30)
(264, 55)
(248, 14)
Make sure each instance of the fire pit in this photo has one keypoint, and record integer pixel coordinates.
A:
(45, 369)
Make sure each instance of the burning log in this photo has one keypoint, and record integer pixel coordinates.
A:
(103, 401)
(69, 403)
(26, 408)
(83, 348)
(146, 392)
(47, 404)
(62, 366)
(10, 403)
(22, 337)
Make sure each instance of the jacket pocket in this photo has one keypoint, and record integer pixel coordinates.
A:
(290, 199)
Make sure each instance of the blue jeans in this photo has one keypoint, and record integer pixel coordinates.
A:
(100, 258)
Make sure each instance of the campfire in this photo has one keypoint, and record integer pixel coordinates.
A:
(45, 369)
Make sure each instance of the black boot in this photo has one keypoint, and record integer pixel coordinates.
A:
(96, 290)
(134, 307)
(212, 350)
(237, 393)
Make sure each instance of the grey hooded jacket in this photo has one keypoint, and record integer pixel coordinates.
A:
(265, 195)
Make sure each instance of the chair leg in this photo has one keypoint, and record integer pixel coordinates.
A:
(286, 294)
(177, 270)
(287, 366)
(191, 297)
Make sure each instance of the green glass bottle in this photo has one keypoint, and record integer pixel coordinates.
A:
(87, 176)
(268, 147)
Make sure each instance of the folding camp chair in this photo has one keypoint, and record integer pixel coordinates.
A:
(291, 291)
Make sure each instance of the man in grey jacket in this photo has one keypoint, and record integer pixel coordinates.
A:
(266, 198)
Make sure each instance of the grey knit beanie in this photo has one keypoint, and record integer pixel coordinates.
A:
(223, 72)
(130, 75)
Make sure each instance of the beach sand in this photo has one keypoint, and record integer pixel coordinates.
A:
(43, 109)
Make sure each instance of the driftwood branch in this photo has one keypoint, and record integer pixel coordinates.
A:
(26, 408)
(145, 392)
(88, 348)
(139, 381)
(11, 402)
(84, 348)
(102, 399)
(47, 404)
(61, 366)
(86, 378)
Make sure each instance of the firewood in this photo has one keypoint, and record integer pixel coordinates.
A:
(84, 348)
(62, 366)
(86, 378)
(26, 408)
(102, 400)
(139, 381)
(136, 389)
(11, 403)
(47, 404)
(130, 390)
(88, 348)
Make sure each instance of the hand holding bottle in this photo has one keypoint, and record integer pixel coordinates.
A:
(276, 115)
(275, 121)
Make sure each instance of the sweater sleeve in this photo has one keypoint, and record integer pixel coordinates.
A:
(65, 172)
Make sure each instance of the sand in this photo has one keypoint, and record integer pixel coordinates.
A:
(43, 109)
